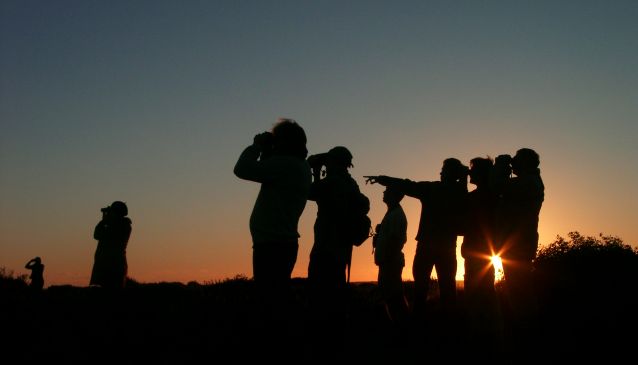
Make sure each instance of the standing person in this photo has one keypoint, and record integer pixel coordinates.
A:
(521, 198)
(112, 233)
(391, 235)
(484, 321)
(438, 228)
(37, 273)
(331, 251)
(276, 160)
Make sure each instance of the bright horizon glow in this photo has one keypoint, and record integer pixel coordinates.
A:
(498, 268)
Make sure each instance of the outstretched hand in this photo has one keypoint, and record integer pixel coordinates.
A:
(374, 179)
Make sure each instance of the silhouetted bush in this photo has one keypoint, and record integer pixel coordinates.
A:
(131, 282)
(601, 267)
(10, 281)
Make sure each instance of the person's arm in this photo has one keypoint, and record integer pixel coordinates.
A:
(317, 162)
(124, 229)
(463, 215)
(380, 243)
(30, 264)
(100, 230)
(250, 166)
(315, 190)
(406, 186)
(397, 235)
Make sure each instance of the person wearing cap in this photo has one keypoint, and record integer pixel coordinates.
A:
(441, 204)
(112, 233)
(331, 250)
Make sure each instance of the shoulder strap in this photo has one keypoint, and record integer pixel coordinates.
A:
(348, 265)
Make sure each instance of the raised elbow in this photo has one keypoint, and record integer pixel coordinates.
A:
(239, 172)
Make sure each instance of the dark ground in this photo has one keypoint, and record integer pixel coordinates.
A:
(171, 323)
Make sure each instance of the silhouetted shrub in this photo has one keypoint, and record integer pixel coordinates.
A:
(600, 266)
(131, 282)
(10, 281)
(237, 279)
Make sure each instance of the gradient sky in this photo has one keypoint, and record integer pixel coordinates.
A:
(151, 102)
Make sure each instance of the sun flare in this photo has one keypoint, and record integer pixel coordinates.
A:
(498, 267)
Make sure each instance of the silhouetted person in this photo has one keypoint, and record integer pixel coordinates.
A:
(37, 273)
(276, 160)
(438, 227)
(389, 239)
(483, 313)
(521, 198)
(112, 233)
(331, 251)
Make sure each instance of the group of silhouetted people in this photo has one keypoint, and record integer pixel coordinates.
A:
(288, 180)
(110, 267)
(499, 217)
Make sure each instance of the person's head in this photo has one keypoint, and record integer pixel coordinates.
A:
(37, 259)
(526, 161)
(118, 209)
(480, 170)
(289, 138)
(392, 196)
(339, 158)
(453, 170)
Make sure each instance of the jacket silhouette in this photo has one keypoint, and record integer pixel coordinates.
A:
(112, 233)
(37, 273)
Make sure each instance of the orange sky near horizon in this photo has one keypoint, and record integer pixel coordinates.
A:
(151, 103)
(156, 257)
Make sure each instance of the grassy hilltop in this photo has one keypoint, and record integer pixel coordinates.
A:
(580, 315)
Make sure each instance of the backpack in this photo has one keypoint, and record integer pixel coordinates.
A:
(358, 225)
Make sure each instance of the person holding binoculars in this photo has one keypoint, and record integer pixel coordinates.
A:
(112, 233)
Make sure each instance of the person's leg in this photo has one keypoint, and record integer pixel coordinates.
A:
(470, 292)
(446, 273)
(272, 269)
(421, 271)
(445, 329)
(521, 305)
(273, 263)
(327, 307)
(484, 334)
(396, 303)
